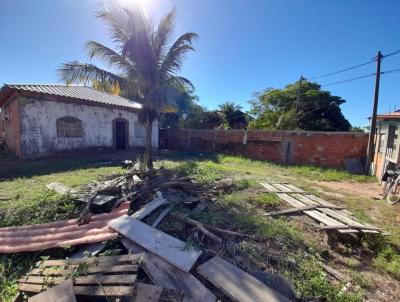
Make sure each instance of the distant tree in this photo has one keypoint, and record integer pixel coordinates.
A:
(234, 117)
(358, 129)
(143, 67)
(201, 118)
(317, 110)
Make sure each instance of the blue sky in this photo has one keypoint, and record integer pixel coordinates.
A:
(244, 46)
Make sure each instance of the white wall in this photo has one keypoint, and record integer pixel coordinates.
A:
(39, 131)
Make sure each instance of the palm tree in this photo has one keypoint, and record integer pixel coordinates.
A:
(143, 67)
(234, 117)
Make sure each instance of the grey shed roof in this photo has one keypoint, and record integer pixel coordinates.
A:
(73, 92)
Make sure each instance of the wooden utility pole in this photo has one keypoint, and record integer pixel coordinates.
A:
(370, 150)
(299, 93)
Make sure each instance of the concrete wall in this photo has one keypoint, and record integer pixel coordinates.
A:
(327, 149)
(39, 133)
(10, 128)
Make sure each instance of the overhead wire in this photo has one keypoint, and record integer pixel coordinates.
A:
(360, 77)
(342, 70)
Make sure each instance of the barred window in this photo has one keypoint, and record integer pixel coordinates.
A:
(140, 131)
(69, 127)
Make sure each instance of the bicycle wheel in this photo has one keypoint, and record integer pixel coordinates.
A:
(386, 188)
(393, 196)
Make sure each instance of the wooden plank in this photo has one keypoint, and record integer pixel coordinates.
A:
(110, 291)
(150, 207)
(160, 217)
(268, 187)
(166, 275)
(237, 284)
(293, 211)
(335, 214)
(59, 188)
(283, 188)
(64, 292)
(95, 260)
(93, 279)
(167, 247)
(147, 293)
(324, 202)
(294, 188)
(321, 217)
(51, 271)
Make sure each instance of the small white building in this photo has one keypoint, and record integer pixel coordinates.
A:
(41, 120)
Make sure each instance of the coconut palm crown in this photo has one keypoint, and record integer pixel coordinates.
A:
(143, 67)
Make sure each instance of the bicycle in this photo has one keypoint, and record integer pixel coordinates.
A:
(391, 188)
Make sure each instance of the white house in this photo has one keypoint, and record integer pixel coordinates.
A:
(40, 120)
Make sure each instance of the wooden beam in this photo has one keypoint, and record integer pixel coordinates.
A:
(296, 210)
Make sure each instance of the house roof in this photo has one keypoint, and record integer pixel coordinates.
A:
(389, 115)
(73, 93)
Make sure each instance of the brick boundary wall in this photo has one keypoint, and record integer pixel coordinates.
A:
(328, 149)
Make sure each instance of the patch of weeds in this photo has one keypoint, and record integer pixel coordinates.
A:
(283, 230)
(12, 267)
(310, 281)
(388, 260)
(362, 280)
(361, 215)
(352, 263)
(204, 173)
(270, 200)
(46, 207)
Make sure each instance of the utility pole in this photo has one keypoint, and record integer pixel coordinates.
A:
(370, 150)
(299, 93)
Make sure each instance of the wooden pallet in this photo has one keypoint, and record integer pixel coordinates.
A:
(111, 276)
(332, 219)
(280, 187)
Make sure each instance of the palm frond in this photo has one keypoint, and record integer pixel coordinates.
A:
(174, 58)
(89, 74)
(109, 56)
(164, 31)
(181, 83)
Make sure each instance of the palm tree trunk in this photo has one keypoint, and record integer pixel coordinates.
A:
(149, 147)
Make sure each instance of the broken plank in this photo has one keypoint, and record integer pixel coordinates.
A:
(95, 260)
(321, 217)
(91, 270)
(110, 291)
(150, 207)
(60, 188)
(282, 188)
(295, 210)
(269, 187)
(236, 283)
(167, 247)
(93, 279)
(160, 217)
(294, 188)
(166, 275)
(335, 214)
(64, 292)
(149, 293)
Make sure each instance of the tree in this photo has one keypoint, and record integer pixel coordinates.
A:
(234, 116)
(316, 110)
(143, 67)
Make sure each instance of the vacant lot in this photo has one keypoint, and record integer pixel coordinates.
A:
(289, 246)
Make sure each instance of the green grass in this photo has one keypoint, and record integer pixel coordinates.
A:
(240, 209)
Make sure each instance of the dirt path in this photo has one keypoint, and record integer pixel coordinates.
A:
(367, 190)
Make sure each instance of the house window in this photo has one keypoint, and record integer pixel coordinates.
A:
(392, 137)
(140, 131)
(69, 127)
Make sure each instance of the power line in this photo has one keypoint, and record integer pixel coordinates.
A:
(361, 77)
(392, 53)
(343, 70)
(350, 80)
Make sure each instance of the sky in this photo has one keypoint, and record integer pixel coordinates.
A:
(243, 47)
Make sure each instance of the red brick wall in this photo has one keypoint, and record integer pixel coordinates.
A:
(328, 149)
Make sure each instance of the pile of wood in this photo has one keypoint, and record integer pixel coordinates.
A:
(171, 268)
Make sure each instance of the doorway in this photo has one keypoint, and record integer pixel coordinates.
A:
(120, 129)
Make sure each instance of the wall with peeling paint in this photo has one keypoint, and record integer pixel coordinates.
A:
(38, 133)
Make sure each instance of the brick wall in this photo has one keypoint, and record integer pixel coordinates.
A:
(328, 149)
